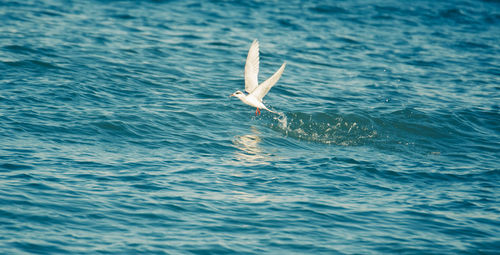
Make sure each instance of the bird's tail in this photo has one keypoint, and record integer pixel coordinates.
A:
(272, 111)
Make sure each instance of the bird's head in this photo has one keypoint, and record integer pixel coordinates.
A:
(237, 94)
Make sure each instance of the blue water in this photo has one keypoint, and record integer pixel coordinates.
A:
(117, 135)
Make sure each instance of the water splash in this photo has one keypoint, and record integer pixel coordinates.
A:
(326, 128)
(282, 119)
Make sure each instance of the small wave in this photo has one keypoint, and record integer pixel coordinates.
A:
(19, 49)
(32, 64)
(328, 9)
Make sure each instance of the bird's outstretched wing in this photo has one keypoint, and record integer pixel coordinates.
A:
(252, 68)
(264, 87)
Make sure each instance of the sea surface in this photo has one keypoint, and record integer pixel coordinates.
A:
(117, 135)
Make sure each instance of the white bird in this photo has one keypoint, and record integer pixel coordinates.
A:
(255, 91)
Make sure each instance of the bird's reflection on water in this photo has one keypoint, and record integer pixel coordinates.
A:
(249, 151)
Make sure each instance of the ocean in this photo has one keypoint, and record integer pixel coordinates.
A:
(118, 135)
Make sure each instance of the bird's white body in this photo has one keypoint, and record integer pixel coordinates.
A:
(252, 101)
(255, 91)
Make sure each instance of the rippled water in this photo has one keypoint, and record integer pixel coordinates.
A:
(118, 137)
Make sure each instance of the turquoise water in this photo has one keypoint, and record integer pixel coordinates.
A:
(117, 135)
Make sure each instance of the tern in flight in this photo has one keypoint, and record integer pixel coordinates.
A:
(255, 91)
